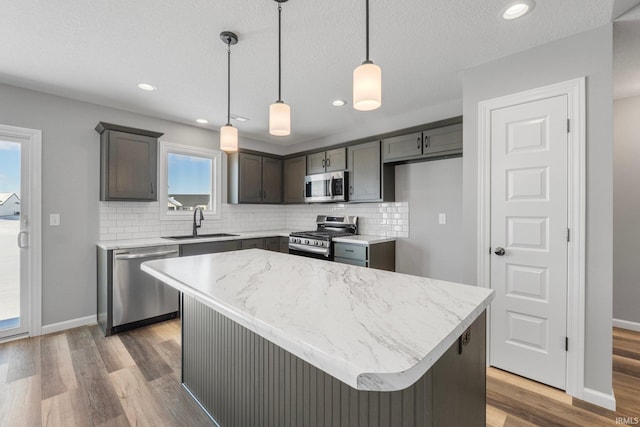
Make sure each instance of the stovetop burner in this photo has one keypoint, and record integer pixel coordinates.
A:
(318, 242)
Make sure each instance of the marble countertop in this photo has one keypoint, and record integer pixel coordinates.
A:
(363, 239)
(372, 329)
(162, 241)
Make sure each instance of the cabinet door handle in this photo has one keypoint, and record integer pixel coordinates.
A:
(151, 183)
(328, 162)
(418, 142)
(323, 163)
(351, 190)
(426, 141)
(348, 250)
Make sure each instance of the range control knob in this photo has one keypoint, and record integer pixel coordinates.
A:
(306, 242)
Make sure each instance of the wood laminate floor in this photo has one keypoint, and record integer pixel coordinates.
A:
(80, 378)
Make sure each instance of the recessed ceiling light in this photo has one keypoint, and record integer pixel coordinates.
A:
(202, 121)
(239, 118)
(338, 103)
(517, 9)
(147, 87)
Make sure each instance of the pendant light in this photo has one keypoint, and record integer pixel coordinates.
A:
(229, 134)
(367, 81)
(279, 112)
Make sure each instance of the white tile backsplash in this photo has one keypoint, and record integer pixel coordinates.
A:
(134, 220)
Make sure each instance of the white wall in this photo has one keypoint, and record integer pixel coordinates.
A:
(431, 250)
(587, 54)
(626, 209)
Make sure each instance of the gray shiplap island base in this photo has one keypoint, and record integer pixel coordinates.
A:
(275, 339)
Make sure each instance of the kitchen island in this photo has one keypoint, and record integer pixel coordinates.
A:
(275, 339)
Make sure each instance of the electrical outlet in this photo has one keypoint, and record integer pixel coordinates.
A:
(442, 218)
(54, 219)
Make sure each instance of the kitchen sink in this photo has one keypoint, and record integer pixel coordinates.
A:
(201, 236)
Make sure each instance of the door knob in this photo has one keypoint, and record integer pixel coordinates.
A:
(499, 251)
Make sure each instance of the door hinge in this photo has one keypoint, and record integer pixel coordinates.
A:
(568, 125)
(568, 234)
(566, 343)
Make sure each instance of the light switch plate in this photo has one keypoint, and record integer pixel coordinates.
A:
(54, 219)
(442, 219)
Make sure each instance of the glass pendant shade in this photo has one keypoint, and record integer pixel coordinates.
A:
(367, 87)
(228, 138)
(279, 119)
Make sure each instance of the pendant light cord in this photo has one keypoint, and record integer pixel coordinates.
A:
(367, 31)
(279, 53)
(228, 82)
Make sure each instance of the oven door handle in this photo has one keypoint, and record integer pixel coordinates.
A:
(307, 248)
(331, 187)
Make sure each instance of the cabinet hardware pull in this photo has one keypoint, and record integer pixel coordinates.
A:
(418, 142)
(323, 163)
(328, 162)
(348, 250)
(151, 187)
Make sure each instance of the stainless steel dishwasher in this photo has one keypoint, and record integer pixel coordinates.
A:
(139, 298)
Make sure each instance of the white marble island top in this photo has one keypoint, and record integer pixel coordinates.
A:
(372, 329)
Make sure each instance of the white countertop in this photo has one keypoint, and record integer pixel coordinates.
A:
(363, 239)
(162, 241)
(371, 329)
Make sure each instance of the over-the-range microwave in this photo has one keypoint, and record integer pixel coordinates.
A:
(326, 187)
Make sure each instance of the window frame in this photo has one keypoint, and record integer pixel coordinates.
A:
(215, 156)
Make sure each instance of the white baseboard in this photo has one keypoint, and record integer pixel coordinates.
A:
(599, 398)
(69, 324)
(625, 324)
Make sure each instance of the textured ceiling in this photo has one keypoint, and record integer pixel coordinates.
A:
(98, 51)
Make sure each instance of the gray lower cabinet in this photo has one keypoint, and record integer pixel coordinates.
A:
(128, 163)
(378, 255)
(294, 171)
(254, 178)
(209, 247)
(284, 245)
(241, 379)
(327, 161)
(437, 142)
(272, 244)
(369, 179)
(252, 243)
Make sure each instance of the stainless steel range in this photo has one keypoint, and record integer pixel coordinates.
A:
(318, 243)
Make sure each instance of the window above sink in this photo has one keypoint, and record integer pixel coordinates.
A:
(190, 177)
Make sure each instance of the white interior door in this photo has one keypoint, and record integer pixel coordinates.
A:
(19, 231)
(529, 216)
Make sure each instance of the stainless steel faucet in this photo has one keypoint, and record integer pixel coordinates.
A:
(199, 224)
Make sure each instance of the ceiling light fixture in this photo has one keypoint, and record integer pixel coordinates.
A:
(228, 134)
(146, 86)
(202, 121)
(367, 81)
(279, 112)
(239, 118)
(338, 103)
(517, 9)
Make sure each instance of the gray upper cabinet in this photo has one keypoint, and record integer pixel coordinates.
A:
(369, 180)
(254, 179)
(436, 142)
(327, 161)
(293, 174)
(128, 163)
(443, 140)
(271, 180)
(403, 146)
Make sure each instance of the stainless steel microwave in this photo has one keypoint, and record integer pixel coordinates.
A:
(326, 187)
